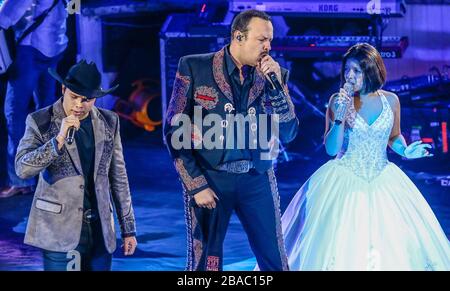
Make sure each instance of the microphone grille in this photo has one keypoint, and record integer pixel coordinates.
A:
(349, 88)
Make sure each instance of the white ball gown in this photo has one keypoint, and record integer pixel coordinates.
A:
(361, 212)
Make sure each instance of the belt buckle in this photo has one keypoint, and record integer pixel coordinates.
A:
(87, 215)
(239, 167)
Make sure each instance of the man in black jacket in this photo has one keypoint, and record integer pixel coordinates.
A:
(219, 172)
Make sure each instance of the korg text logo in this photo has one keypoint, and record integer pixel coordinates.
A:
(328, 8)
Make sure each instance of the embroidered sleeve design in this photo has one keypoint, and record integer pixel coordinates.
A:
(189, 182)
(179, 96)
(128, 224)
(41, 156)
(282, 105)
(288, 116)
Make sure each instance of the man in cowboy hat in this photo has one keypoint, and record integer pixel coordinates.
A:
(219, 180)
(71, 217)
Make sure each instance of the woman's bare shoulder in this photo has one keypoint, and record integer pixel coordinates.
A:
(392, 98)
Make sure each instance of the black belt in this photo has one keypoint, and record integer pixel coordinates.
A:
(237, 167)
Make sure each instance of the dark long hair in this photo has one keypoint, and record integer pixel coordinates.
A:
(371, 63)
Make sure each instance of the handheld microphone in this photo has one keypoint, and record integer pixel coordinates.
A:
(273, 77)
(70, 135)
(275, 82)
(349, 89)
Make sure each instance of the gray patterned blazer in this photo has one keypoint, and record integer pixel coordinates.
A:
(56, 213)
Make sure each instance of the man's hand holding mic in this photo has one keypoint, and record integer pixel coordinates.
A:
(278, 95)
(67, 123)
(268, 65)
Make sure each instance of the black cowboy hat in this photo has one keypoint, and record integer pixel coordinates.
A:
(83, 79)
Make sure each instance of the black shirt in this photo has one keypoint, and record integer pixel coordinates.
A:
(240, 95)
(84, 137)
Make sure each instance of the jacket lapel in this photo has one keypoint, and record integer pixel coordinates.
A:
(99, 137)
(219, 75)
(73, 153)
(257, 87)
(224, 84)
(59, 114)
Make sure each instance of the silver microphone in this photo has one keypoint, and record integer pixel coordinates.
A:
(341, 104)
(349, 89)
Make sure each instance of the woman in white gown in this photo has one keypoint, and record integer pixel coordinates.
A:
(360, 211)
